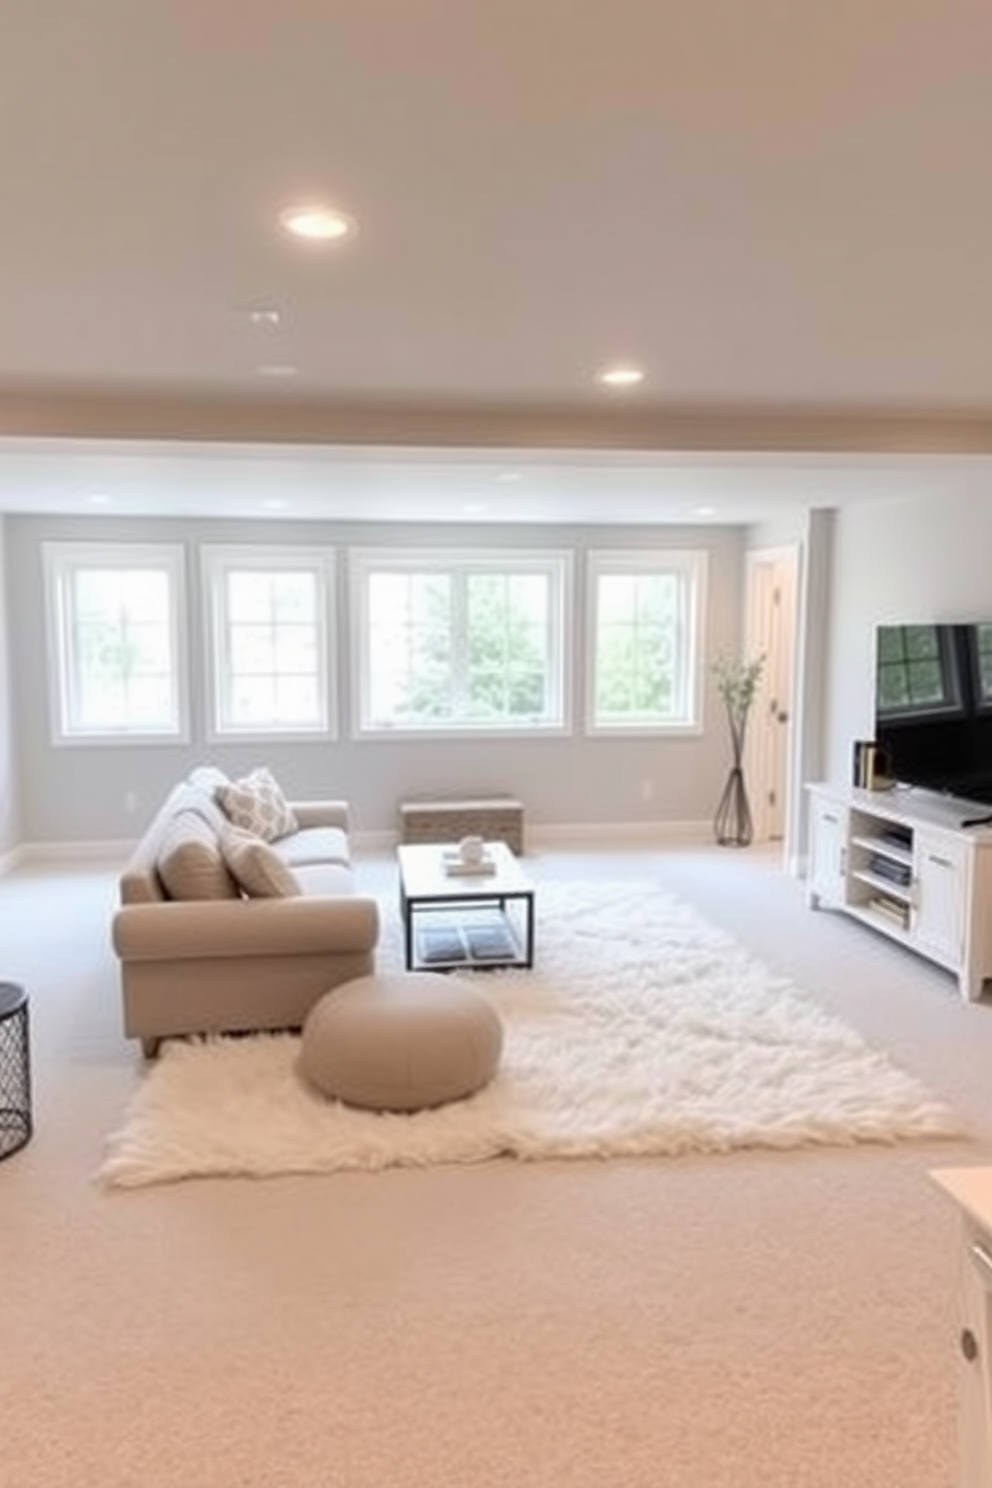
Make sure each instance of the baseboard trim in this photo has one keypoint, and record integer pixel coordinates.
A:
(550, 834)
(642, 832)
(104, 850)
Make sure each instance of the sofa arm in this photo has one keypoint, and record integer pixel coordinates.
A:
(197, 929)
(321, 813)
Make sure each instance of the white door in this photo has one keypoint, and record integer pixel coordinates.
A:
(770, 630)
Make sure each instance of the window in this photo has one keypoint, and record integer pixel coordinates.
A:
(116, 642)
(268, 622)
(644, 649)
(459, 642)
(917, 670)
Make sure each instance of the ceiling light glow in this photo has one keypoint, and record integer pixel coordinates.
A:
(264, 315)
(277, 369)
(317, 224)
(620, 376)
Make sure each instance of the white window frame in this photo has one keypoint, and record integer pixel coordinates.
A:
(691, 565)
(555, 564)
(60, 561)
(218, 560)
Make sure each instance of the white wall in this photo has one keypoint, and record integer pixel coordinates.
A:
(80, 793)
(9, 801)
(896, 562)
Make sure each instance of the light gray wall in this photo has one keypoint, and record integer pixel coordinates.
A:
(10, 819)
(79, 793)
(784, 531)
(895, 562)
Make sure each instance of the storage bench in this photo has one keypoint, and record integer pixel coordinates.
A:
(496, 818)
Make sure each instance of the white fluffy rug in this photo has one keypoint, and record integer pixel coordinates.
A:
(642, 1030)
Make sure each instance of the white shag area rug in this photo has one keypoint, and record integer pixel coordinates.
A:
(642, 1030)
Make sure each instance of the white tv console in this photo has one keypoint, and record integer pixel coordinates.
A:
(901, 862)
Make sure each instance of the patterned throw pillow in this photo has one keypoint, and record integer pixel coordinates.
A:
(257, 804)
(257, 867)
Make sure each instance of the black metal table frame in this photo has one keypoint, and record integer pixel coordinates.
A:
(16, 1119)
(412, 904)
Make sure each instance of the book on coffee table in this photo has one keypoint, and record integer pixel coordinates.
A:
(458, 867)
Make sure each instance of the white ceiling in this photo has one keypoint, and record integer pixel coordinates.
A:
(779, 210)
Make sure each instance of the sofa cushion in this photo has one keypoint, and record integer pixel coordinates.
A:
(314, 845)
(194, 798)
(256, 803)
(325, 880)
(207, 778)
(190, 863)
(257, 866)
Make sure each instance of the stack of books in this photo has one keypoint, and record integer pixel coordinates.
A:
(455, 864)
(889, 909)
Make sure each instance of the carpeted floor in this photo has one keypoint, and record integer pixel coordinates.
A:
(751, 1320)
(642, 1030)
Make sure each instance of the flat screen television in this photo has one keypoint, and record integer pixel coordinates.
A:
(933, 707)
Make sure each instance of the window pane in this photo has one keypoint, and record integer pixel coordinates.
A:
(297, 700)
(249, 597)
(116, 646)
(642, 649)
(467, 646)
(270, 653)
(295, 650)
(252, 700)
(294, 598)
(251, 649)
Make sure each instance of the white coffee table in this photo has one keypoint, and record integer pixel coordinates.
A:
(464, 920)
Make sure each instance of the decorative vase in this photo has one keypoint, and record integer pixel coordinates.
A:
(738, 684)
(732, 824)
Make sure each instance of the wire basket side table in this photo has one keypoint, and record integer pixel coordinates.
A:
(15, 1070)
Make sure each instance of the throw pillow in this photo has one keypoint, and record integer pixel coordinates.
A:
(258, 805)
(257, 867)
(189, 861)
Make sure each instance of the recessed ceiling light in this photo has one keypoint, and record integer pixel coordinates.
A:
(99, 498)
(277, 369)
(317, 223)
(275, 503)
(705, 511)
(473, 508)
(620, 376)
(264, 315)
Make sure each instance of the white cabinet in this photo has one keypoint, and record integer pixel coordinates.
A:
(972, 1188)
(827, 852)
(940, 867)
(903, 864)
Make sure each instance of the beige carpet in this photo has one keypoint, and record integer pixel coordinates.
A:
(760, 1320)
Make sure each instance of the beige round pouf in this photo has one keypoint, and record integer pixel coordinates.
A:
(401, 1042)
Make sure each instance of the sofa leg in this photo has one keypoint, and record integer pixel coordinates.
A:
(149, 1047)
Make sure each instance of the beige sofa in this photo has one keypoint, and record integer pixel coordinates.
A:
(223, 961)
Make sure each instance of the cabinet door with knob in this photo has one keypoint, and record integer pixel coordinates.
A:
(828, 834)
(974, 1383)
(969, 1342)
(940, 869)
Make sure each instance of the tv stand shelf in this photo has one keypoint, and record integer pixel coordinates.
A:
(902, 862)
